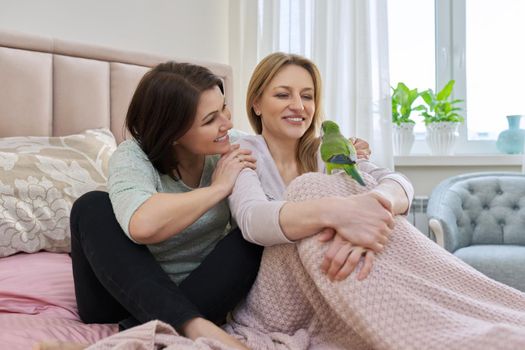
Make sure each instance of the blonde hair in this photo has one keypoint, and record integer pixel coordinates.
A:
(266, 70)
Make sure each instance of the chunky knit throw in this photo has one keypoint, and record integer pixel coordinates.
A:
(418, 296)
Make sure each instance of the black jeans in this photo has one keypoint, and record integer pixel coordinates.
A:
(117, 280)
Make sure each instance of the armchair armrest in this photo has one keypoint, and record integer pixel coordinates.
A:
(443, 219)
(437, 230)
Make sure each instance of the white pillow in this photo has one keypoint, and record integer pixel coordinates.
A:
(40, 178)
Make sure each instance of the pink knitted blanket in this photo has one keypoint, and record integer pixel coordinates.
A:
(418, 296)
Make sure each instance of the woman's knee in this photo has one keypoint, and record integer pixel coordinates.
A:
(91, 203)
(90, 200)
(90, 208)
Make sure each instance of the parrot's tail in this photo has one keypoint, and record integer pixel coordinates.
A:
(354, 173)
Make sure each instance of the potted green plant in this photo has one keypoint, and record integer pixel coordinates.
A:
(403, 125)
(441, 119)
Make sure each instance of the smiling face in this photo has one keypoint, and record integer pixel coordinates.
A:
(287, 105)
(209, 131)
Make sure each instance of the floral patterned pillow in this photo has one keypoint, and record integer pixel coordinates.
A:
(40, 178)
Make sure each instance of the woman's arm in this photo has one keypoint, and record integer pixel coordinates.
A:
(362, 219)
(394, 193)
(164, 215)
(393, 186)
(148, 216)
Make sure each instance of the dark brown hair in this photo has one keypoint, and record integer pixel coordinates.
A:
(163, 109)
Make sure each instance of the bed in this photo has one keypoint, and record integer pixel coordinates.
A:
(62, 107)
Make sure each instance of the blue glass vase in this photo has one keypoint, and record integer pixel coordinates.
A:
(510, 141)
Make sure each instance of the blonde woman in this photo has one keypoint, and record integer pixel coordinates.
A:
(414, 295)
(284, 109)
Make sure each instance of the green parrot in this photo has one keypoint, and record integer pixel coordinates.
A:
(337, 152)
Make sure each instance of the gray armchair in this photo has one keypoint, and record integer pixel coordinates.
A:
(480, 217)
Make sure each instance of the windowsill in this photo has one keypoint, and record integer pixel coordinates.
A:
(460, 160)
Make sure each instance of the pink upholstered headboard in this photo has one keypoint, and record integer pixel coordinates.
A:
(51, 87)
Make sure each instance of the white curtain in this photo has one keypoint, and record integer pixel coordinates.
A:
(243, 55)
(348, 40)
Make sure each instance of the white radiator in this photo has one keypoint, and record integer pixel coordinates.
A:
(418, 215)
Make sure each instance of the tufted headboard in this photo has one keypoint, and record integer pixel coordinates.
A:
(52, 87)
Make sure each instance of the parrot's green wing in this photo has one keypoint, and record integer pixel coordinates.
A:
(334, 145)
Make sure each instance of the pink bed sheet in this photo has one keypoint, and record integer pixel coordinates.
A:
(37, 302)
(21, 332)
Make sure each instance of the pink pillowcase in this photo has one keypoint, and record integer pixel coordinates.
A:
(38, 283)
(37, 302)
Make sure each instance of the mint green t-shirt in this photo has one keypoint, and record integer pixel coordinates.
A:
(133, 179)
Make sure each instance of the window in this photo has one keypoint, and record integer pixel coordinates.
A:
(478, 43)
(412, 46)
(495, 62)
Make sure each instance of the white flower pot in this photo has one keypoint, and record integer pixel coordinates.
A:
(403, 138)
(441, 137)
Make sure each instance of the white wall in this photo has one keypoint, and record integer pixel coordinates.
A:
(180, 28)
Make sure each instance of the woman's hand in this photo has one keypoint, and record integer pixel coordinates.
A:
(229, 166)
(200, 327)
(364, 220)
(342, 258)
(362, 148)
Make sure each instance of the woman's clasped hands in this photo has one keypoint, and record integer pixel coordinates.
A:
(360, 226)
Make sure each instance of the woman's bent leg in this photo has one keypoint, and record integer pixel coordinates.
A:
(116, 278)
(224, 277)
